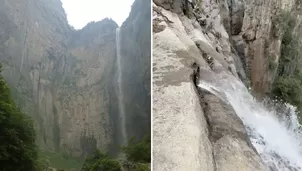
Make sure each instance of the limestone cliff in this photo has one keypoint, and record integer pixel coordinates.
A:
(136, 51)
(63, 78)
(192, 128)
(135, 39)
(257, 35)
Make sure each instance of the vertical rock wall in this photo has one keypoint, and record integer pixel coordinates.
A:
(136, 57)
(65, 78)
(193, 129)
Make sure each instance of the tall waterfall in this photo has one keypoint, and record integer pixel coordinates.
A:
(276, 135)
(120, 95)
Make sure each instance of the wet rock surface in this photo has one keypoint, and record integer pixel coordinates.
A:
(192, 129)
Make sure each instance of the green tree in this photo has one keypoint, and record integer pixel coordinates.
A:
(100, 161)
(17, 137)
(138, 151)
(106, 164)
(141, 167)
(42, 164)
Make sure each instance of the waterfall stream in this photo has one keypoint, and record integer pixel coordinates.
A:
(276, 134)
(120, 95)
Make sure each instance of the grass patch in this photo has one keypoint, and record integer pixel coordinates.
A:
(58, 161)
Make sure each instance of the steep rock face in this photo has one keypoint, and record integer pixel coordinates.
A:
(256, 36)
(65, 78)
(85, 91)
(192, 129)
(262, 45)
(136, 59)
(179, 127)
(33, 40)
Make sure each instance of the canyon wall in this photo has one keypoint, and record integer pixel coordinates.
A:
(196, 40)
(63, 78)
(260, 37)
(136, 55)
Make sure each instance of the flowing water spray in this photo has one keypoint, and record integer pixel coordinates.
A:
(276, 136)
(120, 95)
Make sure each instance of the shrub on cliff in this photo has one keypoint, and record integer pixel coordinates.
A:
(288, 83)
(138, 151)
(17, 136)
(289, 89)
(100, 162)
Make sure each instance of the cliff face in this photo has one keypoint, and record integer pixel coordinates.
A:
(254, 31)
(135, 43)
(200, 40)
(33, 39)
(63, 78)
(136, 55)
(82, 103)
(206, 41)
(257, 35)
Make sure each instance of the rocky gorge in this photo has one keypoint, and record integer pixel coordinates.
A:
(66, 79)
(207, 54)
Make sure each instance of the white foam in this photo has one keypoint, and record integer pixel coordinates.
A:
(276, 136)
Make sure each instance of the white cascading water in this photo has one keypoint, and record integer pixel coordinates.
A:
(275, 135)
(120, 95)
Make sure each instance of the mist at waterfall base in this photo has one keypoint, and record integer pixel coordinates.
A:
(276, 134)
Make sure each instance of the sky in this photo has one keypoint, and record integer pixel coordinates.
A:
(81, 12)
